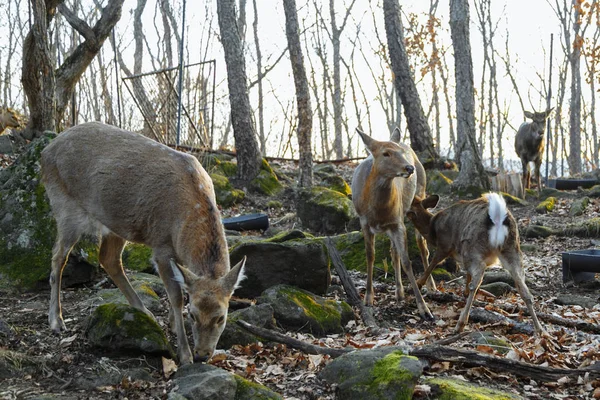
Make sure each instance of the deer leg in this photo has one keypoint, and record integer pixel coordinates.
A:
(425, 259)
(525, 176)
(175, 293)
(398, 237)
(397, 271)
(511, 260)
(60, 254)
(111, 248)
(467, 291)
(370, 252)
(538, 164)
(476, 268)
(438, 257)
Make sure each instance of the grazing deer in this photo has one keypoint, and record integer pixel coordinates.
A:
(383, 187)
(121, 186)
(529, 144)
(476, 234)
(8, 119)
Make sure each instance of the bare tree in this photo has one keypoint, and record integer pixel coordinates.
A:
(302, 92)
(420, 134)
(248, 153)
(471, 172)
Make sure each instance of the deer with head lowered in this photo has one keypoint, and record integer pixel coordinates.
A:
(121, 186)
(529, 145)
(8, 119)
(383, 187)
(476, 234)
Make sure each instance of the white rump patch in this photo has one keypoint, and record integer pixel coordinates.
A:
(497, 212)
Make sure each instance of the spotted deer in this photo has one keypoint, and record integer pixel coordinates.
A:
(529, 145)
(121, 186)
(383, 187)
(476, 234)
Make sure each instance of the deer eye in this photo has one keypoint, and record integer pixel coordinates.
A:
(386, 154)
(221, 320)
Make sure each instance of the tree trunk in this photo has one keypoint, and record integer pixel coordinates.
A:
(420, 134)
(248, 154)
(259, 68)
(471, 172)
(292, 32)
(575, 105)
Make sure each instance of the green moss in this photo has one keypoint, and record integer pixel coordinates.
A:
(452, 389)
(546, 206)
(438, 183)
(539, 231)
(250, 390)
(288, 235)
(137, 257)
(588, 228)
(266, 181)
(228, 168)
(327, 313)
(389, 371)
(224, 191)
(338, 184)
(579, 206)
(274, 204)
(440, 274)
(510, 199)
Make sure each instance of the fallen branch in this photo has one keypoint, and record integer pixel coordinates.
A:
(291, 342)
(519, 368)
(578, 324)
(354, 299)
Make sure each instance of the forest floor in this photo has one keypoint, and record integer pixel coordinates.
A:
(69, 360)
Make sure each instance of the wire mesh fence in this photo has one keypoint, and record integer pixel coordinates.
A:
(155, 95)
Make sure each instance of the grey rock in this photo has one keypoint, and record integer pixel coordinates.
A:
(201, 381)
(6, 146)
(575, 300)
(498, 289)
(260, 315)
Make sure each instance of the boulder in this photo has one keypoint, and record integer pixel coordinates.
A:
(300, 262)
(6, 145)
(578, 206)
(120, 327)
(383, 373)
(137, 257)
(260, 315)
(115, 296)
(225, 193)
(337, 183)
(567, 299)
(448, 388)
(546, 205)
(266, 181)
(538, 231)
(498, 289)
(324, 210)
(298, 309)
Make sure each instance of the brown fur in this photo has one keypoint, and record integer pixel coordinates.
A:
(383, 187)
(8, 119)
(529, 145)
(461, 231)
(121, 186)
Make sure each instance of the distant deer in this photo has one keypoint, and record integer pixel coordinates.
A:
(121, 186)
(476, 234)
(383, 187)
(529, 144)
(8, 119)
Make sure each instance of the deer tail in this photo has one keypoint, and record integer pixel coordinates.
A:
(498, 219)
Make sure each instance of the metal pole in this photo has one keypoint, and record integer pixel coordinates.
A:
(180, 84)
(548, 99)
(117, 79)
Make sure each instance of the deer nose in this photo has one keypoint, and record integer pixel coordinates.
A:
(200, 359)
(410, 169)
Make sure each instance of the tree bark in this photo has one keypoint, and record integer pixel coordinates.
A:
(575, 104)
(248, 154)
(259, 82)
(420, 134)
(302, 93)
(471, 172)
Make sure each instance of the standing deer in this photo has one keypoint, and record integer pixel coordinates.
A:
(529, 144)
(383, 187)
(121, 186)
(8, 119)
(476, 234)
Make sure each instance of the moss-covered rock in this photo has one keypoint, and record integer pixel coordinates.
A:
(579, 206)
(588, 228)
(115, 296)
(258, 315)
(384, 373)
(288, 235)
(538, 231)
(138, 257)
(299, 309)
(211, 161)
(119, 327)
(204, 382)
(276, 204)
(441, 274)
(546, 206)
(225, 192)
(549, 192)
(594, 191)
(453, 389)
(337, 183)
(513, 200)
(324, 210)
(498, 289)
(251, 390)
(488, 339)
(438, 182)
(324, 170)
(14, 364)
(266, 181)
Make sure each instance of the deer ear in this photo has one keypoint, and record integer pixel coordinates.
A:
(548, 111)
(182, 275)
(367, 140)
(396, 135)
(431, 201)
(528, 114)
(234, 277)
(411, 214)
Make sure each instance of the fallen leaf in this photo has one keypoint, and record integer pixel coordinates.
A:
(169, 367)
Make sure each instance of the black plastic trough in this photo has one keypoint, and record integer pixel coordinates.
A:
(571, 184)
(580, 265)
(249, 222)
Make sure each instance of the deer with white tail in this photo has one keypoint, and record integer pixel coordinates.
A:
(476, 233)
(121, 186)
(383, 187)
